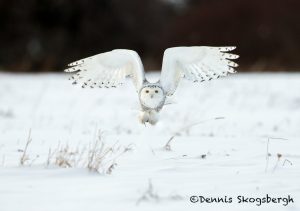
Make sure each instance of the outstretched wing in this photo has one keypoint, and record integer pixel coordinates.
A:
(108, 69)
(197, 64)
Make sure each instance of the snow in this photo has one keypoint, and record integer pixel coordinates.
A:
(215, 158)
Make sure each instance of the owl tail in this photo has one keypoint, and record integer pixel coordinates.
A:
(148, 116)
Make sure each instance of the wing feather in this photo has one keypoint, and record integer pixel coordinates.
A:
(108, 69)
(196, 64)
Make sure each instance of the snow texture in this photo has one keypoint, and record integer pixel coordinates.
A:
(228, 156)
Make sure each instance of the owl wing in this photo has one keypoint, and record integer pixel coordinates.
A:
(196, 64)
(108, 69)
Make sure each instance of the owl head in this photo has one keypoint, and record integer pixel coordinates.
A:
(152, 95)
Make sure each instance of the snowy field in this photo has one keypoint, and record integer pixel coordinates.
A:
(219, 145)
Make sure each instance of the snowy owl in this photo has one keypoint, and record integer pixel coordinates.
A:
(196, 63)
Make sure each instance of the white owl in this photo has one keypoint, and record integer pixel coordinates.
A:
(109, 69)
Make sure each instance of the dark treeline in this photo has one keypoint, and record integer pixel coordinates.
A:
(39, 35)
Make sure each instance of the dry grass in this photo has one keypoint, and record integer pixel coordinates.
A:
(97, 157)
(25, 157)
(167, 147)
(65, 157)
(150, 195)
(278, 155)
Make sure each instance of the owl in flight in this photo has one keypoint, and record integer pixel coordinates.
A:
(109, 69)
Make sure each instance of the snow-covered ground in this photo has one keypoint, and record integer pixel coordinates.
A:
(209, 157)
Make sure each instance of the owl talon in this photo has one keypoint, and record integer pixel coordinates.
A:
(148, 116)
(144, 117)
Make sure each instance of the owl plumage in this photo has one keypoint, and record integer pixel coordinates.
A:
(197, 64)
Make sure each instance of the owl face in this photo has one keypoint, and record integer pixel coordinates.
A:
(152, 96)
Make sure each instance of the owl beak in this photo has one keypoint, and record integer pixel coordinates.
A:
(151, 96)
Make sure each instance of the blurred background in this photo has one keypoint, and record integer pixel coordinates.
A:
(45, 35)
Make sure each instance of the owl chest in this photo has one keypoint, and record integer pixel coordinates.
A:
(151, 103)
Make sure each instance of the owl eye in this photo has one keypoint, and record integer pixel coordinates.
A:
(156, 91)
(147, 91)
